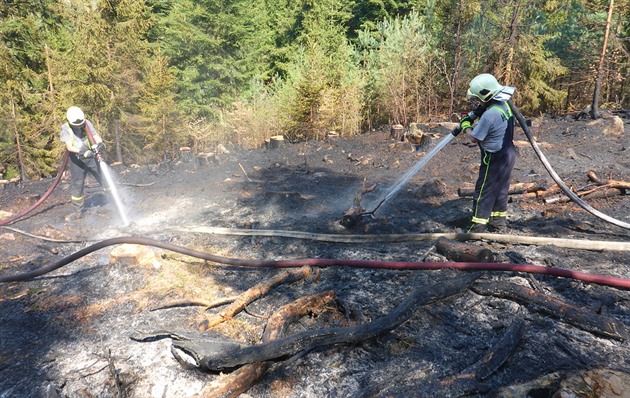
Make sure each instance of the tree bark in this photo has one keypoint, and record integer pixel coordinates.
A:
(18, 143)
(600, 69)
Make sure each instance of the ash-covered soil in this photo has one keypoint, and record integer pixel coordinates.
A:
(67, 333)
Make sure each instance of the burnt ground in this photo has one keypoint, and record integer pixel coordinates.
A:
(67, 333)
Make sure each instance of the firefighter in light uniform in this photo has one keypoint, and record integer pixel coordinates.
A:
(494, 134)
(82, 145)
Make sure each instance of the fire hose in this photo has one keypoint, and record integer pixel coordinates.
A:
(556, 177)
(612, 281)
(45, 196)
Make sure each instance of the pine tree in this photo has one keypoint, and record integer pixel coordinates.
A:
(161, 129)
(25, 139)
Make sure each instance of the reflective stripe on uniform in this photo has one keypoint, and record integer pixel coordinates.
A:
(506, 115)
(478, 220)
(498, 214)
(486, 160)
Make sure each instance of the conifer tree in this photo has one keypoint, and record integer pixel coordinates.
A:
(161, 128)
(25, 141)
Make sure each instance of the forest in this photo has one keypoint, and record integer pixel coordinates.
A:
(157, 75)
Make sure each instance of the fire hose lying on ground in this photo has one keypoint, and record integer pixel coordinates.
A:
(528, 268)
(622, 283)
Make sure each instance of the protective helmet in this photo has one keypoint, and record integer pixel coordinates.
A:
(75, 116)
(484, 87)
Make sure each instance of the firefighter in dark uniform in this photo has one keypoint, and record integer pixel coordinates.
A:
(494, 134)
(83, 143)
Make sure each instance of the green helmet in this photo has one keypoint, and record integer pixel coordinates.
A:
(484, 87)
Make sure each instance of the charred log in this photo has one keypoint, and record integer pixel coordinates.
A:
(241, 380)
(232, 358)
(465, 252)
(583, 319)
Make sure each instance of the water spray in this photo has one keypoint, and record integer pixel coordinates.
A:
(349, 220)
(106, 173)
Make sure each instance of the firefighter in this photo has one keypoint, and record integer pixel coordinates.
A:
(84, 145)
(493, 133)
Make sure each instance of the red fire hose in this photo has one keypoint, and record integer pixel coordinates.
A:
(45, 196)
(622, 283)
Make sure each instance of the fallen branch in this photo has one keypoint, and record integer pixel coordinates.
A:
(254, 293)
(241, 380)
(519, 188)
(218, 360)
(601, 192)
(611, 183)
(582, 319)
(193, 303)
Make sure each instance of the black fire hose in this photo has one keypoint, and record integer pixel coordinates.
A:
(45, 196)
(617, 282)
(556, 177)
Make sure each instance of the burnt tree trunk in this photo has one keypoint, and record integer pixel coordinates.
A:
(218, 360)
(242, 379)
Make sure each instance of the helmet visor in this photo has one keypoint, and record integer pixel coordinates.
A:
(77, 122)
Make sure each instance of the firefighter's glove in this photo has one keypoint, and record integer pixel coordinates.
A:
(465, 123)
(100, 147)
(88, 154)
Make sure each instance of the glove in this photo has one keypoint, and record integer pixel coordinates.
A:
(100, 147)
(88, 154)
(465, 123)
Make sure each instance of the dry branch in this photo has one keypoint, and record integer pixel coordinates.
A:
(254, 293)
(611, 183)
(218, 360)
(519, 188)
(583, 319)
(192, 303)
(241, 380)
(600, 192)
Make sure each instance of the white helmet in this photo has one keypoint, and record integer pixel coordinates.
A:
(75, 116)
(484, 87)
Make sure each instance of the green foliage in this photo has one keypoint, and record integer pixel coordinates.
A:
(24, 141)
(154, 75)
(215, 47)
(322, 91)
(399, 61)
(161, 125)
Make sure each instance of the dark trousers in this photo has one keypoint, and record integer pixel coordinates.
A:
(493, 184)
(79, 169)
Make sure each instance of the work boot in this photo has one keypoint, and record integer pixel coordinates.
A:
(76, 215)
(498, 224)
(476, 228)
